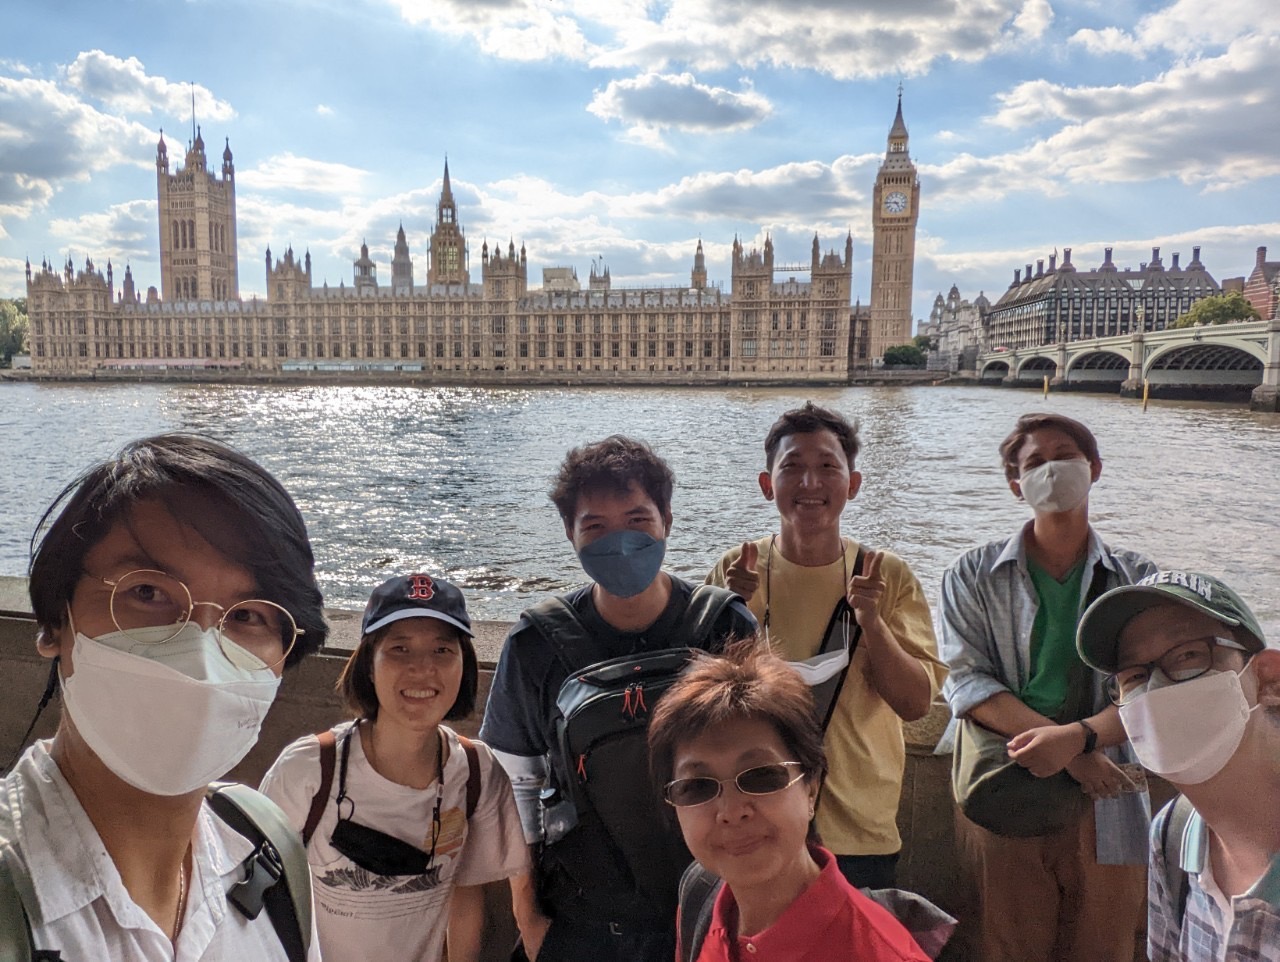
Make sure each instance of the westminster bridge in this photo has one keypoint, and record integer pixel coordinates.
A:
(1221, 361)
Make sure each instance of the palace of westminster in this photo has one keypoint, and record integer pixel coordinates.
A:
(777, 322)
(784, 322)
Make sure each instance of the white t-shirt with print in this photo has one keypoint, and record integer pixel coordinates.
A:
(369, 918)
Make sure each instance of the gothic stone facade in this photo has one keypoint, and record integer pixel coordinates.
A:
(775, 323)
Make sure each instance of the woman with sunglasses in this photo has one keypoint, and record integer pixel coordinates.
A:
(738, 753)
(403, 819)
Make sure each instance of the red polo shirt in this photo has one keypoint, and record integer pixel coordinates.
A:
(830, 920)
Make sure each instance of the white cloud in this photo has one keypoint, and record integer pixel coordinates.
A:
(870, 39)
(324, 110)
(1185, 27)
(652, 103)
(289, 172)
(125, 87)
(120, 232)
(50, 136)
(1185, 124)
(508, 29)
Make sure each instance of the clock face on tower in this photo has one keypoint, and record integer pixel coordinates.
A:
(895, 203)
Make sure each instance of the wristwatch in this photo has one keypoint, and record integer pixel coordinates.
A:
(1090, 737)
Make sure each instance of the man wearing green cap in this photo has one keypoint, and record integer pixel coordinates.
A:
(1188, 665)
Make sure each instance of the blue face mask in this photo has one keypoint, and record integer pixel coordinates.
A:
(623, 563)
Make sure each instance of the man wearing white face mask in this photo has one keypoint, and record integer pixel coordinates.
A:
(1199, 695)
(1064, 881)
(172, 584)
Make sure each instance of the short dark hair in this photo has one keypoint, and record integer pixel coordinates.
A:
(613, 464)
(746, 681)
(355, 684)
(270, 538)
(1028, 424)
(806, 420)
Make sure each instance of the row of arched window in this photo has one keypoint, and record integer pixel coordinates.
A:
(186, 289)
(184, 236)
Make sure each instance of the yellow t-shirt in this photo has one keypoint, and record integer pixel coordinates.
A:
(857, 814)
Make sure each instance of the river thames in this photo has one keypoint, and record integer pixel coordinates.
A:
(454, 480)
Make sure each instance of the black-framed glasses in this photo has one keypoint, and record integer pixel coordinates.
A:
(761, 780)
(1186, 661)
(146, 600)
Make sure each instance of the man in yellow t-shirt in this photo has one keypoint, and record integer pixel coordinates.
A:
(792, 582)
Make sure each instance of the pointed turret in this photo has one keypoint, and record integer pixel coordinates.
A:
(401, 265)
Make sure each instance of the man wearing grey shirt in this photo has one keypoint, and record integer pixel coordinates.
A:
(1009, 612)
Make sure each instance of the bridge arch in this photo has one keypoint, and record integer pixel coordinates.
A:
(1202, 363)
(1106, 367)
(1036, 366)
(994, 370)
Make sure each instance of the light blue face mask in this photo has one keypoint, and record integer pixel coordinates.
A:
(623, 563)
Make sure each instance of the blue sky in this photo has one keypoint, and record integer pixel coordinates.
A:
(627, 130)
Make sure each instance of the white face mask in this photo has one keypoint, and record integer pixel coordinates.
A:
(1057, 485)
(1188, 732)
(166, 718)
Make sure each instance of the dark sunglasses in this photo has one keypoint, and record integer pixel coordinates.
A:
(761, 780)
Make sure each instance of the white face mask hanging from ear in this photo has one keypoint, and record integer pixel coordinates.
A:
(166, 718)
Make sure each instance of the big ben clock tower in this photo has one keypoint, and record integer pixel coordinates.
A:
(893, 254)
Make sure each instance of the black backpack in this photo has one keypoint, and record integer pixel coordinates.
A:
(277, 878)
(623, 858)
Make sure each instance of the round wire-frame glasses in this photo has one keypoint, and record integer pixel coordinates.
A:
(147, 598)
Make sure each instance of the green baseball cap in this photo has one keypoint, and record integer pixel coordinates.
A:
(1098, 635)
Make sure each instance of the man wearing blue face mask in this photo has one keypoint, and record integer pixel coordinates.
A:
(1198, 689)
(1060, 878)
(604, 898)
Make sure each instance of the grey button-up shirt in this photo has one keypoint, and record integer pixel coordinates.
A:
(988, 608)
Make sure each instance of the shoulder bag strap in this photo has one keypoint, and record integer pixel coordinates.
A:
(1079, 701)
(328, 755)
(473, 773)
(855, 633)
(278, 856)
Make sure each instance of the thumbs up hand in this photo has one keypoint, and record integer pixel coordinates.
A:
(741, 577)
(866, 589)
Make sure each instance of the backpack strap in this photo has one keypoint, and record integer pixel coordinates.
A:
(17, 944)
(15, 928)
(556, 620)
(706, 605)
(473, 773)
(278, 857)
(698, 890)
(1173, 841)
(559, 623)
(328, 755)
